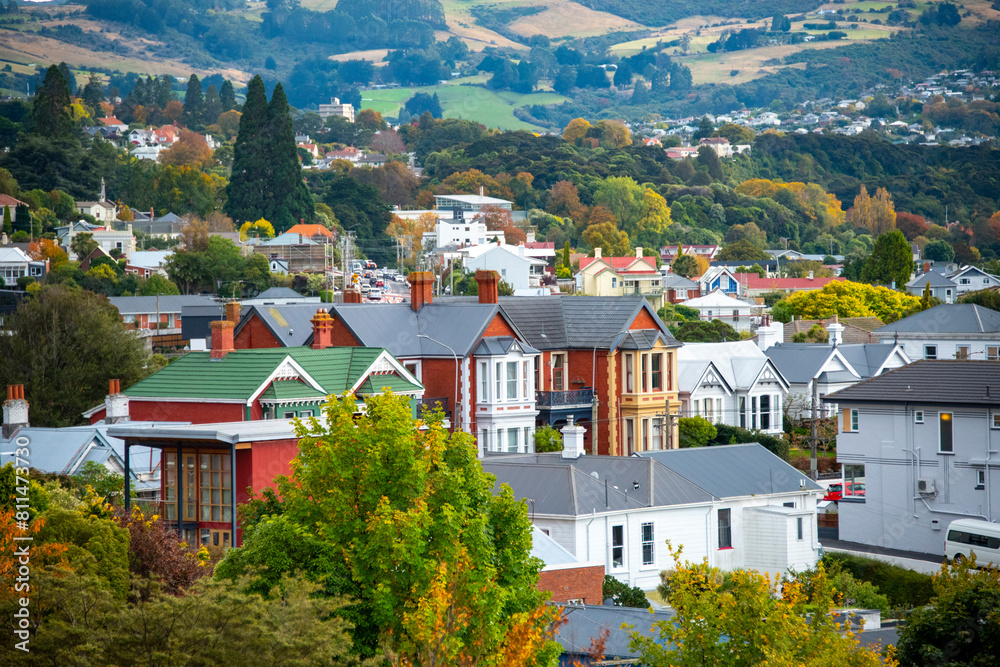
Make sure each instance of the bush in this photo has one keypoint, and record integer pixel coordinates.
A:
(623, 594)
(695, 431)
(732, 435)
(548, 439)
(904, 588)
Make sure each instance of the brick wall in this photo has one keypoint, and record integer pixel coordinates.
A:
(255, 335)
(574, 583)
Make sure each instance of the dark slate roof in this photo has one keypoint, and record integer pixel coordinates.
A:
(574, 322)
(131, 305)
(945, 319)
(935, 279)
(498, 346)
(942, 382)
(290, 323)
(866, 359)
(279, 293)
(586, 622)
(573, 487)
(644, 339)
(799, 362)
(396, 327)
(729, 471)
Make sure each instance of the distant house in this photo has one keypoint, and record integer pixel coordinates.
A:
(167, 135)
(511, 262)
(948, 331)
(317, 233)
(300, 252)
(350, 153)
(145, 263)
(857, 330)
(115, 124)
(941, 287)
(157, 318)
(102, 211)
(753, 285)
(720, 145)
(336, 108)
(372, 160)
(15, 264)
(621, 276)
(473, 203)
(972, 279)
(717, 305)
(668, 253)
(9, 203)
(678, 289)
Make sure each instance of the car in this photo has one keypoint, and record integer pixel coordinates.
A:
(400, 279)
(375, 295)
(835, 491)
(365, 288)
(379, 282)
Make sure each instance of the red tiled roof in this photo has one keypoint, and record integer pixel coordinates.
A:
(753, 281)
(7, 200)
(111, 120)
(310, 230)
(620, 263)
(540, 245)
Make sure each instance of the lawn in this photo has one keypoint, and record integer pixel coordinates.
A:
(492, 109)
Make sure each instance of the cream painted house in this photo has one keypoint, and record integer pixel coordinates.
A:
(621, 276)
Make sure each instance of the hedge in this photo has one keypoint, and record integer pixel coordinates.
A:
(904, 588)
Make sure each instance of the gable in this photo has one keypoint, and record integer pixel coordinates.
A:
(644, 320)
(499, 326)
(769, 375)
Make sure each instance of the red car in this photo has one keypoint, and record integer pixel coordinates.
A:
(836, 491)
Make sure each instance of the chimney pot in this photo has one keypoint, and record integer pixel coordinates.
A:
(572, 440)
(638, 252)
(322, 325)
(597, 253)
(15, 411)
(233, 312)
(487, 281)
(222, 339)
(421, 288)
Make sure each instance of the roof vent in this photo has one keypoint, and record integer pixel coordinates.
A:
(595, 475)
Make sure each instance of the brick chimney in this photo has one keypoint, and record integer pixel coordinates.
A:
(421, 288)
(115, 404)
(352, 295)
(15, 410)
(927, 267)
(487, 282)
(222, 339)
(233, 312)
(322, 330)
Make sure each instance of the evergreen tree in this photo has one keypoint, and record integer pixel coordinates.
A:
(288, 198)
(228, 96)
(566, 256)
(50, 111)
(7, 226)
(164, 90)
(891, 261)
(249, 181)
(213, 105)
(93, 93)
(68, 76)
(194, 101)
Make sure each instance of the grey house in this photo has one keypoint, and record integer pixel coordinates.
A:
(919, 449)
(948, 331)
(941, 287)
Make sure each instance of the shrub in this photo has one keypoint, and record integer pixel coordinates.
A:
(695, 431)
(903, 588)
(623, 594)
(548, 439)
(731, 435)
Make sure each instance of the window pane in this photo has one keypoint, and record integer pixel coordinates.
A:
(657, 360)
(512, 379)
(725, 529)
(946, 432)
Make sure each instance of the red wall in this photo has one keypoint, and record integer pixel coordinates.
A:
(255, 335)
(196, 413)
(498, 327)
(574, 584)
(342, 336)
(644, 321)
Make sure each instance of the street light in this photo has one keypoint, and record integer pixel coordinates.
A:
(454, 416)
(593, 380)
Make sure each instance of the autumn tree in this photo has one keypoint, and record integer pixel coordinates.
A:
(46, 249)
(564, 201)
(911, 225)
(847, 299)
(499, 220)
(369, 119)
(195, 235)
(257, 229)
(815, 203)
(410, 231)
(190, 150)
(876, 214)
(472, 182)
(388, 142)
(614, 133)
(390, 509)
(577, 129)
(717, 626)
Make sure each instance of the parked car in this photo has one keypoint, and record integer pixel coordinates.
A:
(365, 288)
(836, 491)
(375, 295)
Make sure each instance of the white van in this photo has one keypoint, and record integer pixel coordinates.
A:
(973, 535)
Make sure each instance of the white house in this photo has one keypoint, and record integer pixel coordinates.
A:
(337, 108)
(919, 449)
(972, 279)
(459, 230)
(505, 397)
(473, 203)
(824, 368)
(731, 383)
(717, 305)
(941, 287)
(103, 211)
(511, 262)
(720, 278)
(948, 331)
(739, 506)
(107, 238)
(14, 264)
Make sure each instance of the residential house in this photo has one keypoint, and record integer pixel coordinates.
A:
(15, 263)
(620, 276)
(103, 211)
(467, 353)
(582, 625)
(545, 251)
(677, 288)
(167, 135)
(336, 108)
(299, 251)
(682, 152)
(816, 370)
(96, 253)
(720, 145)
(948, 331)
(167, 226)
(372, 160)
(941, 287)
(720, 278)
(151, 152)
(752, 285)
(738, 506)
(917, 446)
(107, 238)
(263, 384)
(317, 233)
(972, 279)
(511, 262)
(8, 203)
(732, 383)
(608, 362)
(349, 153)
(145, 263)
(569, 579)
(459, 230)
(157, 318)
(473, 203)
(308, 147)
(717, 305)
(115, 124)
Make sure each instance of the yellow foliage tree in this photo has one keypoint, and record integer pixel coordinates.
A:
(577, 129)
(849, 299)
(410, 231)
(876, 214)
(471, 181)
(816, 203)
(259, 229)
(616, 134)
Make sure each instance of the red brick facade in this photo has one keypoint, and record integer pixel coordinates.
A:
(255, 335)
(574, 583)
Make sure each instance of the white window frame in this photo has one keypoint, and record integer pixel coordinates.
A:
(855, 420)
(928, 354)
(918, 417)
(617, 562)
(647, 544)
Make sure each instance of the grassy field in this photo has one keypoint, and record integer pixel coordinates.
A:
(493, 109)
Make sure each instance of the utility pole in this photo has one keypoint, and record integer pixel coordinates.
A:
(814, 432)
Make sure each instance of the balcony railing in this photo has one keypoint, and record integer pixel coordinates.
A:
(430, 403)
(559, 399)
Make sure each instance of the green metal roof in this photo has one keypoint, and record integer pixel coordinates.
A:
(376, 384)
(241, 373)
(283, 390)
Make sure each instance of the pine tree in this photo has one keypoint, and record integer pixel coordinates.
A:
(7, 225)
(249, 180)
(165, 90)
(50, 111)
(566, 256)
(289, 200)
(213, 105)
(194, 101)
(228, 96)
(925, 299)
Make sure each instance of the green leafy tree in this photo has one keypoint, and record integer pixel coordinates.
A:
(623, 594)
(156, 284)
(742, 251)
(288, 199)
(108, 485)
(685, 265)
(705, 128)
(64, 346)
(8, 227)
(891, 261)
(961, 626)
(391, 505)
(709, 159)
(939, 250)
(696, 431)
(548, 439)
(50, 115)
(715, 331)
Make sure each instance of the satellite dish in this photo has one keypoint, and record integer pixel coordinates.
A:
(595, 475)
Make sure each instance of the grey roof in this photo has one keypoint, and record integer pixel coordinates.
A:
(574, 322)
(230, 432)
(498, 346)
(800, 362)
(573, 487)
(548, 550)
(942, 382)
(729, 471)
(396, 326)
(867, 359)
(586, 622)
(279, 293)
(134, 305)
(946, 319)
(935, 279)
(738, 362)
(290, 323)
(677, 281)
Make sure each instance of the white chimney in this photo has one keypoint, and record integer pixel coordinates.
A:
(597, 253)
(810, 275)
(115, 404)
(572, 439)
(836, 331)
(529, 236)
(15, 410)
(638, 252)
(769, 333)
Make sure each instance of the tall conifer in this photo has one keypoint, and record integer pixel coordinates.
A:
(288, 200)
(50, 110)
(194, 101)
(250, 181)
(228, 96)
